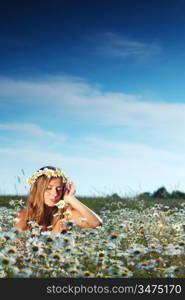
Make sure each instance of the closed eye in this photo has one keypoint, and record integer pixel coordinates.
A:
(58, 189)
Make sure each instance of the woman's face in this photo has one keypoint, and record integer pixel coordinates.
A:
(53, 192)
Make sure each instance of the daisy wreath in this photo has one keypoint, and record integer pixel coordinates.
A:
(49, 173)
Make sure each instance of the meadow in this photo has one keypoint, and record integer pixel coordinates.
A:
(141, 237)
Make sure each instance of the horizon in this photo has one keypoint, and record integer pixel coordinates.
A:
(109, 195)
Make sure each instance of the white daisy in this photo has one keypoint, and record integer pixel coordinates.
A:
(60, 204)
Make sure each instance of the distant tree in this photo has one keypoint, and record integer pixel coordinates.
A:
(145, 195)
(178, 195)
(115, 196)
(161, 193)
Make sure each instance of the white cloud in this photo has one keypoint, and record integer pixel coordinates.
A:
(31, 129)
(160, 120)
(52, 90)
(117, 46)
(135, 151)
(136, 169)
(122, 164)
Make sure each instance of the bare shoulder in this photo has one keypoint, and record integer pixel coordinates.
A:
(22, 219)
(22, 214)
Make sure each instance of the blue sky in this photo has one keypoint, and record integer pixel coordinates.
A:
(96, 88)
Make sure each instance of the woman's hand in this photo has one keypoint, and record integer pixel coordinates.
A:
(69, 192)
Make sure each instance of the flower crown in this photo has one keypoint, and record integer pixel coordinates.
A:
(47, 172)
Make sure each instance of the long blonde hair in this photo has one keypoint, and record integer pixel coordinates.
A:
(37, 210)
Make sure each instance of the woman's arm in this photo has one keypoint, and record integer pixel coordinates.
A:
(83, 215)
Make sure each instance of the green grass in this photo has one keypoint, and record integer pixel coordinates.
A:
(111, 202)
(4, 199)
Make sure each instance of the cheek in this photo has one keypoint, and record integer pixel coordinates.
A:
(46, 194)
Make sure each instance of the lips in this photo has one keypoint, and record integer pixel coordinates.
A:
(53, 200)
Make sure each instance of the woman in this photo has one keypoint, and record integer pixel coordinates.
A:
(51, 203)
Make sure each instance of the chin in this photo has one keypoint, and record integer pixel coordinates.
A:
(50, 204)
